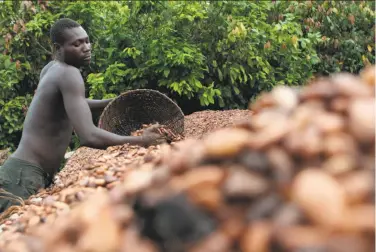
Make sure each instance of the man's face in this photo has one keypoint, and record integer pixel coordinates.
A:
(76, 49)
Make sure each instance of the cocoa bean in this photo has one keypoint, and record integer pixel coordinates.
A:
(226, 142)
(34, 221)
(368, 75)
(216, 242)
(350, 85)
(339, 143)
(301, 238)
(362, 120)
(242, 184)
(320, 196)
(339, 164)
(285, 97)
(320, 89)
(264, 207)
(233, 227)
(257, 237)
(109, 240)
(206, 196)
(349, 243)
(358, 186)
(288, 215)
(359, 218)
(282, 166)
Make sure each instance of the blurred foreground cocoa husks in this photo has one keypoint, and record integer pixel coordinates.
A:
(298, 175)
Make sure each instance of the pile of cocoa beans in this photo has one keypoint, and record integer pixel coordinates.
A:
(88, 171)
(298, 175)
(163, 130)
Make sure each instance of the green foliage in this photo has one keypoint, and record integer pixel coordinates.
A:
(12, 115)
(207, 54)
(175, 47)
(12, 106)
(348, 33)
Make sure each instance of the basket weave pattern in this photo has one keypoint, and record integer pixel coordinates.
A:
(129, 111)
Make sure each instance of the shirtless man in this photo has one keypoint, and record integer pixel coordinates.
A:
(58, 107)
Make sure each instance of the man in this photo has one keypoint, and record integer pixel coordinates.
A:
(58, 107)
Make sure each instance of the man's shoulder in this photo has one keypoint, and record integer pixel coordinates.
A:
(63, 73)
(62, 69)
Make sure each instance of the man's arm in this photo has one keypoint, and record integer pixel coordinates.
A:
(98, 104)
(77, 108)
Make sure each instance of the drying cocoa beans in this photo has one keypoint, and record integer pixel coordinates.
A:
(297, 175)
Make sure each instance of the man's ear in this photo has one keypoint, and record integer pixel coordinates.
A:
(57, 47)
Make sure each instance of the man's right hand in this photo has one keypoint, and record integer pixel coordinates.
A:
(152, 136)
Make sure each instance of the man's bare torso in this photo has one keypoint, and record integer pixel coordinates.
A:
(47, 129)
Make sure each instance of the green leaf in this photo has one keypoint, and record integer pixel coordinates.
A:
(232, 79)
(186, 49)
(197, 83)
(211, 100)
(7, 63)
(27, 66)
(237, 91)
(220, 76)
(166, 72)
(221, 102)
(203, 100)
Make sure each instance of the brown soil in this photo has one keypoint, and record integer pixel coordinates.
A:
(198, 124)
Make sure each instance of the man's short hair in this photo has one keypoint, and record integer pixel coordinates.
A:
(58, 28)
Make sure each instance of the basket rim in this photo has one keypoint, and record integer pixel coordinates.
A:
(136, 91)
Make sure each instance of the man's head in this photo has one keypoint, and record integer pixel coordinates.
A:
(71, 42)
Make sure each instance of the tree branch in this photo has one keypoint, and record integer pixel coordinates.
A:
(42, 47)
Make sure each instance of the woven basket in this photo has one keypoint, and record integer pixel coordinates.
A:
(131, 109)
